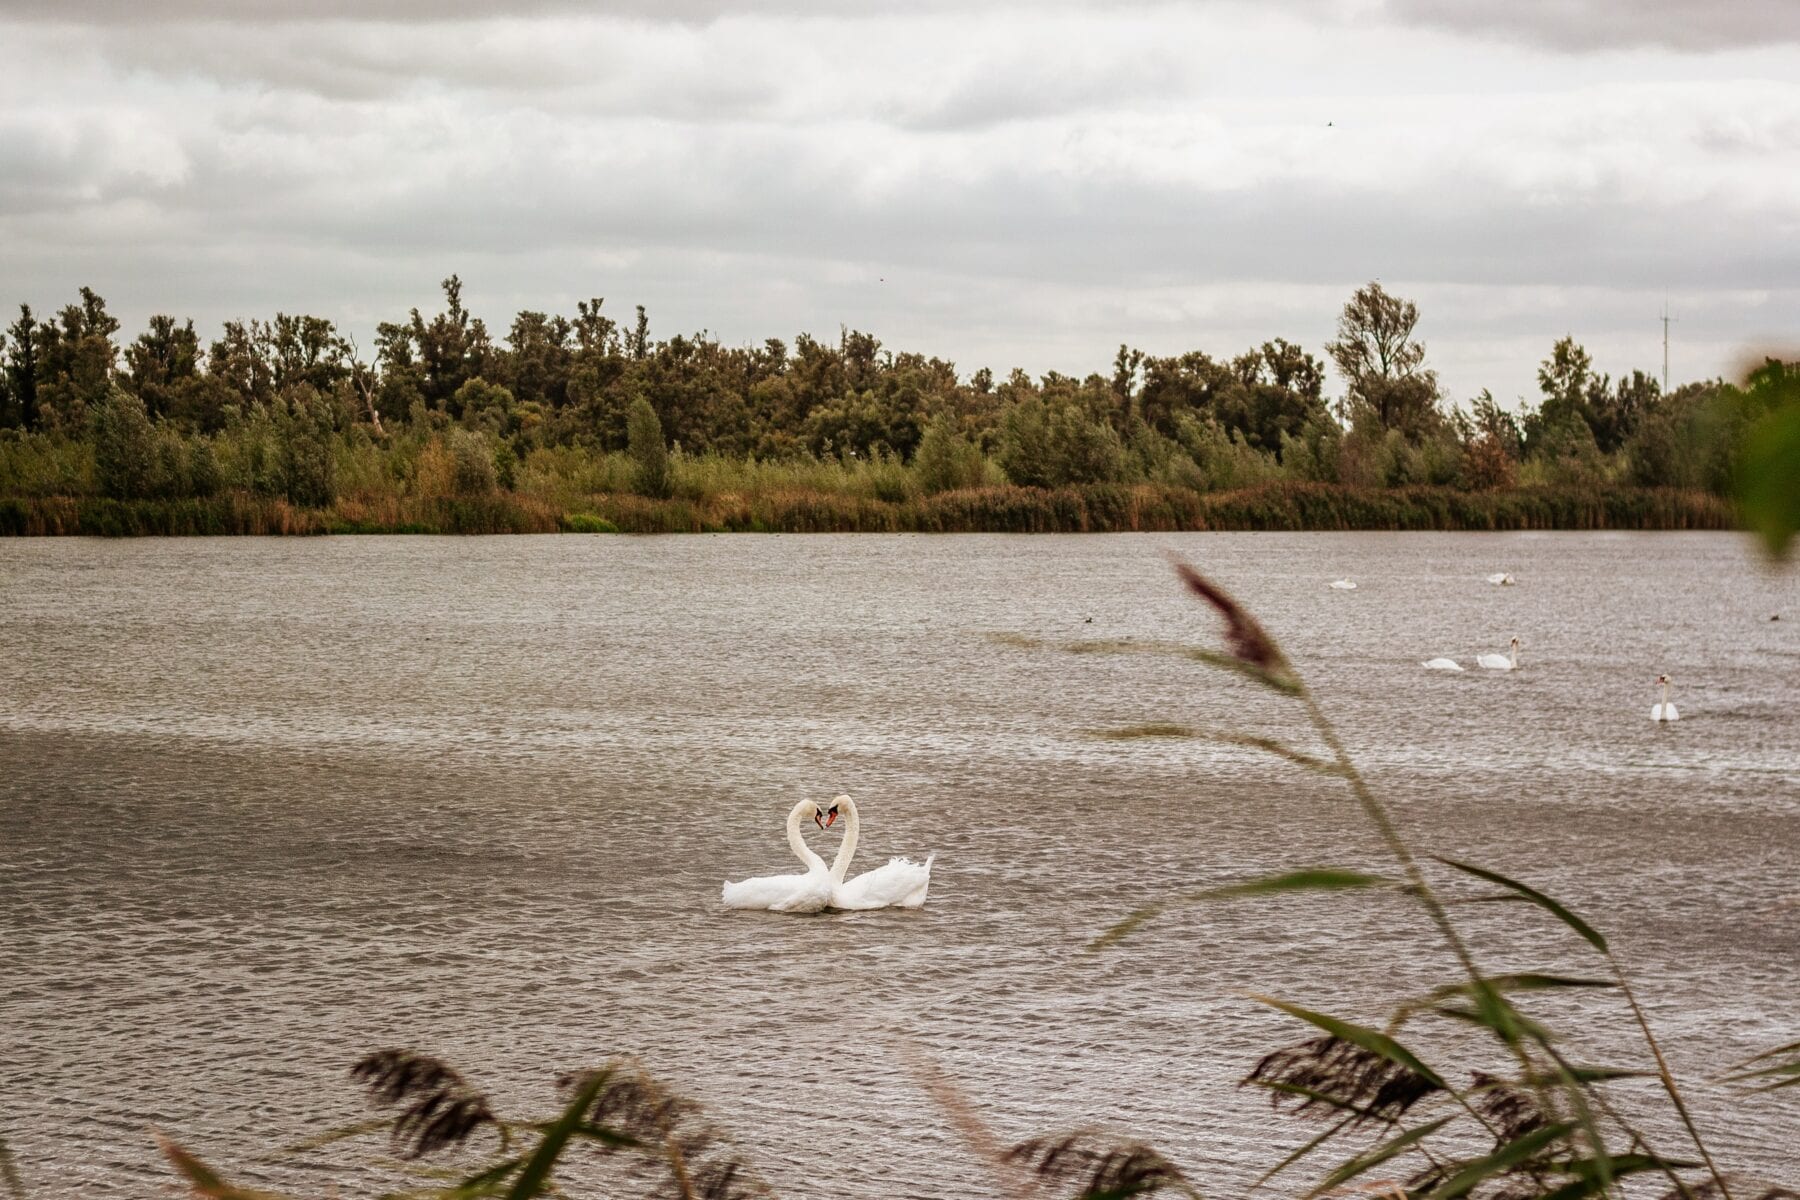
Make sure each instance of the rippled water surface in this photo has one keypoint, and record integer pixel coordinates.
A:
(265, 805)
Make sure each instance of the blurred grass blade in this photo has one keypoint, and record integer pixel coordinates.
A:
(1309, 1147)
(1316, 879)
(607, 1137)
(202, 1179)
(1359, 1035)
(1536, 897)
(1318, 1097)
(9, 1172)
(1586, 1075)
(1476, 1016)
(1504, 1159)
(1281, 750)
(1161, 729)
(1490, 1009)
(376, 1125)
(536, 1171)
(1311, 879)
(1786, 1074)
(1154, 729)
(1376, 1155)
(1279, 682)
(484, 1184)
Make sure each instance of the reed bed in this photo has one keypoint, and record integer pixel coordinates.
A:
(1098, 508)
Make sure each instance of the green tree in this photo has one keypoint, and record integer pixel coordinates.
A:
(649, 456)
(21, 368)
(163, 365)
(946, 460)
(306, 467)
(75, 358)
(473, 464)
(1383, 364)
(1025, 445)
(125, 456)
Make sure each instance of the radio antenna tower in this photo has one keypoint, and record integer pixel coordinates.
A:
(1666, 318)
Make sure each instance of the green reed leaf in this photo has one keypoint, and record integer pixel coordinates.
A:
(1503, 1022)
(1534, 896)
(1313, 880)
(1515, 1021)
(1518, 1150)
(536, 1171)
(1358, 1035)
(1352, 1167)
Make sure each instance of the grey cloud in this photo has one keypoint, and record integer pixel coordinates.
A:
(1587, 25)
(1563, 25)
(136, 12)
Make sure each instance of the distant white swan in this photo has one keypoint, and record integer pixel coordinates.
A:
(1342, 585)
(902, 883)
(1501, 579)
(1664, 711)
(808, 893)
(1442, 664)
(1501, 662)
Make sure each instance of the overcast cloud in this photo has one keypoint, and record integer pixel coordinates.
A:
(1003, 186)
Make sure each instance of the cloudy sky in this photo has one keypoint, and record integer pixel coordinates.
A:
(1001, 184)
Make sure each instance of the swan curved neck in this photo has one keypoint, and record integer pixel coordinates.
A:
(798, 844)
(840, 865)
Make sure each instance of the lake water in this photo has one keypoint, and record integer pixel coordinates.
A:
(266, 805)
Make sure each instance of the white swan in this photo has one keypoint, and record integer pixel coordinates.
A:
(1442, 664)
(808, 893)
(902, 883)
(1501, 579)
(1664, 711)
(1342, 585)
(1501, 662)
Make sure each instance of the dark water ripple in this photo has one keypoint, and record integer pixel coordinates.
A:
(267, 804)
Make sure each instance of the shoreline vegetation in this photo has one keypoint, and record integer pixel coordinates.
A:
(1007, 509)
(585, 425)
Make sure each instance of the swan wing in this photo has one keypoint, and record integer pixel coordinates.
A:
(1442, 664)
(901, 883)
(1664, 712)
(780, 893)
(1495, 662)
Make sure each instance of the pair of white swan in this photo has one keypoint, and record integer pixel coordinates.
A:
(902, 883)
(1493, 662)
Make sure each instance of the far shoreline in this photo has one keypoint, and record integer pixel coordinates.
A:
(1097, 508)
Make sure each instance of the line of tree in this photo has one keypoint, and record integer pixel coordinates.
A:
(273, 406)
